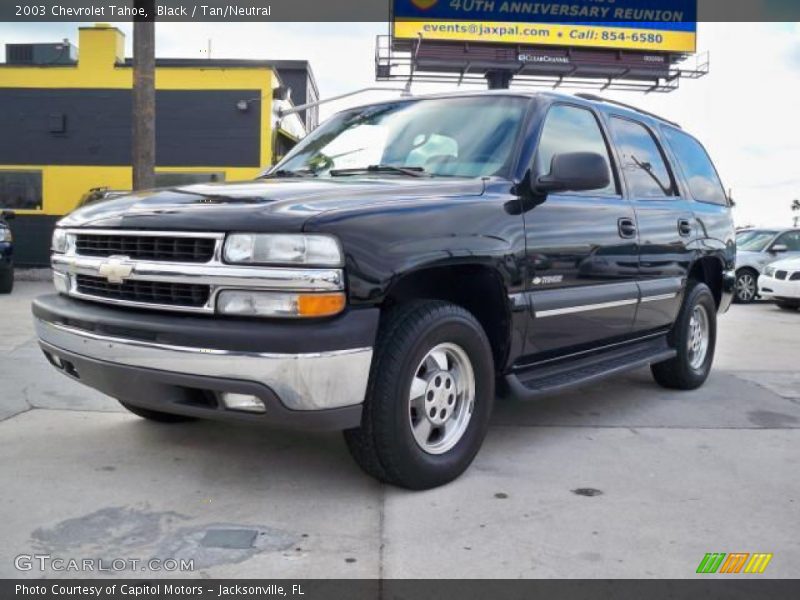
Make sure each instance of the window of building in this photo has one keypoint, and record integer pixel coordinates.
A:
(572, 129)
(21, 190)
(704, 183)
(643, 161)
(175, 179)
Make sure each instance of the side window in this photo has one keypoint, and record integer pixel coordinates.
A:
(642, 160)
(21, 189)
(704, 183)
(791, 240)
(572, 129)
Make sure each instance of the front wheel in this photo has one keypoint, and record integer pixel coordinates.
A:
(746, 286)
(694, 337)
(6, 281)
(429, 399)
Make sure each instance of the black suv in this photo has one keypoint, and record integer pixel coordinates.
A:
(401, 262)
(6, 253)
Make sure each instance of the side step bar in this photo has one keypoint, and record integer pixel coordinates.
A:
(553, 376)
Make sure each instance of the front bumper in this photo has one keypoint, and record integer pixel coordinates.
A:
(769, 287)
(303, 374)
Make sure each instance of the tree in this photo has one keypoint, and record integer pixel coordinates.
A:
(143, 119)
(796, 207)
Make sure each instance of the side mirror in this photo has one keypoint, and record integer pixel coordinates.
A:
(777, 248)
(574, 172)
(9, 215)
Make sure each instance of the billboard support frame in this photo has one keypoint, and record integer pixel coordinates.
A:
(466, 63)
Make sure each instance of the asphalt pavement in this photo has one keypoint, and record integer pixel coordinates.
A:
(617, 479)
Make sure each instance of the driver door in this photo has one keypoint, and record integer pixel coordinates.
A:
(581, 248)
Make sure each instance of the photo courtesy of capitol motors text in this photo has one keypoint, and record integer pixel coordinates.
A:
(229, 589)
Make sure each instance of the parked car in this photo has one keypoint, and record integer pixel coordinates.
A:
(6, 253)
(756, 251)
(781, 282)
(396, 267)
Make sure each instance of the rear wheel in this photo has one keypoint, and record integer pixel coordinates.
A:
(429, 399)
(6, 281)
(694, 336)
(155, 415)
(746, 285)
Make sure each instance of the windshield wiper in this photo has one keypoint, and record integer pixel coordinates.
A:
(290, 173)
(410, 171)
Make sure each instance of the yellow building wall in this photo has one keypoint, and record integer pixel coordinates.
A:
(100, 50)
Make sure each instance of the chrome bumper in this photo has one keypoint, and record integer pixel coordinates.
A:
(302, 382)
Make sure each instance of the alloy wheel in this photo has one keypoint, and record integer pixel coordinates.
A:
(699, 337)
(442, 398)
(745, 287)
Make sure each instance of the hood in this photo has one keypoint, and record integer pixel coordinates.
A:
(262, 205)
(786, 264)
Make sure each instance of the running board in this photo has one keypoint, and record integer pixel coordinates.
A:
(553, 376)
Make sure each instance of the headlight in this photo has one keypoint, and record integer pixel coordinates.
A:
(769, 271)
(59, 243)
(279, 304)
(5, 235)
(283, 249)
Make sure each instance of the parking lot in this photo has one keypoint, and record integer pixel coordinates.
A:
(620, 479)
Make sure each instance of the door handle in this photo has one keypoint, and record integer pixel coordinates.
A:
(626, 228)
(685, 227)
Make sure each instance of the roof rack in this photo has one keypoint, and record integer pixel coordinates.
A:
(596, 98)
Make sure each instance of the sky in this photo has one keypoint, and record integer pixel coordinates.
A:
(746, 111)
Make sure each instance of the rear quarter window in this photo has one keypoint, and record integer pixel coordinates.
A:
(702, 177)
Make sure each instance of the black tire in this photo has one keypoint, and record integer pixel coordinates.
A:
(792, 305)
(6, 281)
(156, 415)
(743, 277)
(678, 373)
(384, 445)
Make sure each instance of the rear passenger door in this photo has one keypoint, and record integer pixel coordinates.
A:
(664, 220)
(581, 247)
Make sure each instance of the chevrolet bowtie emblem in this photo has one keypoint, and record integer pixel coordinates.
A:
(116, 269)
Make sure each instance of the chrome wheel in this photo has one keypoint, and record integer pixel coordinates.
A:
(442, 398)
(699, 337)
(746, 287)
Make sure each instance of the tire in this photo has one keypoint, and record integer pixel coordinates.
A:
(687, 371)
(156, 415)
(415, 341)
(787, 304)
(6, 281)
(746, 285)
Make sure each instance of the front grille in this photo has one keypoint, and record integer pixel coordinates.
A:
(146, 247)
(795, 276)
(780, 275)
(149, 292)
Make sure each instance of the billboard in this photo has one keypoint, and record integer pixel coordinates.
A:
(647, 25)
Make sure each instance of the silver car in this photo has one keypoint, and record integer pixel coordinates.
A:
(755, 251)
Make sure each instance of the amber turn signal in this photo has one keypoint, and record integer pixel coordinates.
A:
(320, 305)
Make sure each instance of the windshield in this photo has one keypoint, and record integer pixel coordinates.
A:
(459, 137)
(756, 241)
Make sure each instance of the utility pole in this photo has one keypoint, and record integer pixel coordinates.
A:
(143, 152)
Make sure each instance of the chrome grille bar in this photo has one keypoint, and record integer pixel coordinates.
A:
(215, 274)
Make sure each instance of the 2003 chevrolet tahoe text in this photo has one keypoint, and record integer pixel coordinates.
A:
(399, 265)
